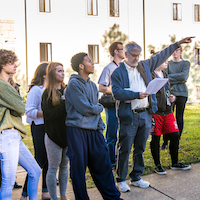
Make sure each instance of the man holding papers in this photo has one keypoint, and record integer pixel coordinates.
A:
(130, 81)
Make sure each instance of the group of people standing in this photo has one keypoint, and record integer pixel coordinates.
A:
(66, 124)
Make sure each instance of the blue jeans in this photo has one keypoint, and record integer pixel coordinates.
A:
(38, 133)
(111, 132)
(12, 151)
(135, 134)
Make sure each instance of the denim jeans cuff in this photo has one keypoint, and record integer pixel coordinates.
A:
(135, 178)
(44, 190)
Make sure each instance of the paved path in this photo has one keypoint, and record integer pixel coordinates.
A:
(179, 185)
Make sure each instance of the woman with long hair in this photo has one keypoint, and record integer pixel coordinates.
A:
(13, 150)
(35, 119)
(53, 106)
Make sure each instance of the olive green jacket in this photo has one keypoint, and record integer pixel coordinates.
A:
(11, 108)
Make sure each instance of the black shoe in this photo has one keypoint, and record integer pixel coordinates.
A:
(17, 186)
(180, 166)
(159, 170)
(164, 146)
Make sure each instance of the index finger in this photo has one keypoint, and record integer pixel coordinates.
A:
(192, 37)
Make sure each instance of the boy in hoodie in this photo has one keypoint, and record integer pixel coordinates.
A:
(86, 144)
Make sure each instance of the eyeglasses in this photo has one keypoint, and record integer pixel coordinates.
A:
(135, 56)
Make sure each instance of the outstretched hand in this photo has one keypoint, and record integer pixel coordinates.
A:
(186, 40)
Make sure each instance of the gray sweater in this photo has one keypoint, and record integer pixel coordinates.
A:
(81, 103)
(178, 72)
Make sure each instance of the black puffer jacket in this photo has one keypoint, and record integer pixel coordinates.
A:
(161, 97)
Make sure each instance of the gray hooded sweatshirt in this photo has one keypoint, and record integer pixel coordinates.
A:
(81, 103)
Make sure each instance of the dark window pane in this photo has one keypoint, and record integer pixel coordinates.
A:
(196, 13)
(44, 5)
(93, 52)
(42, 52)
(114, 8)
(45, 52)
(177, 11)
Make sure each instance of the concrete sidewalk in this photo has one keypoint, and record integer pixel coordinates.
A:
(179, 185)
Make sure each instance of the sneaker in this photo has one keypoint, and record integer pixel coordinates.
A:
(17, 186)
(159, 170)
(180, 166)
(123, 187)
(141, 183)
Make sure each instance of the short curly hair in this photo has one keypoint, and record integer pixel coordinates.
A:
(7, 56)
(76, 60)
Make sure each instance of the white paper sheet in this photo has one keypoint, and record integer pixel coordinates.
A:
(155, 85)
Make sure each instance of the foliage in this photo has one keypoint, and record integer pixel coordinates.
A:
(24, 98)
(113, 35)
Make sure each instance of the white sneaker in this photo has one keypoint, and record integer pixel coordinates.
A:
(123, 187)
(141, 183)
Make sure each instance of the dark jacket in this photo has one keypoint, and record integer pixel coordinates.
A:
(120, 81)
(54, 120)
(161, 96)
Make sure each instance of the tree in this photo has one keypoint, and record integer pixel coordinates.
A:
(113, 35)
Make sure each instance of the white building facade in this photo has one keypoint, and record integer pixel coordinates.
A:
(55, 30)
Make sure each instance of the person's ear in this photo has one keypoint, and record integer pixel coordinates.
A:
(81, 66)
(115, 51)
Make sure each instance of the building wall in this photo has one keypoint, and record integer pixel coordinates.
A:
(70, 30)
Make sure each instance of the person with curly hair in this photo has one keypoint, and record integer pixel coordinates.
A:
(13, 150)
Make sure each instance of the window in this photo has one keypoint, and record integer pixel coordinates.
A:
(45, 52)
(197, 56)
(177, 11)
(197, 13)
(198, 92)
(45, 6)
(114, 8)
(93, 52)
(92, 7)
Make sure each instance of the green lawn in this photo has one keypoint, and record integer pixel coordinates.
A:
(189, 144)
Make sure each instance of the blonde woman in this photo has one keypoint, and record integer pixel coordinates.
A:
(53, 106)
